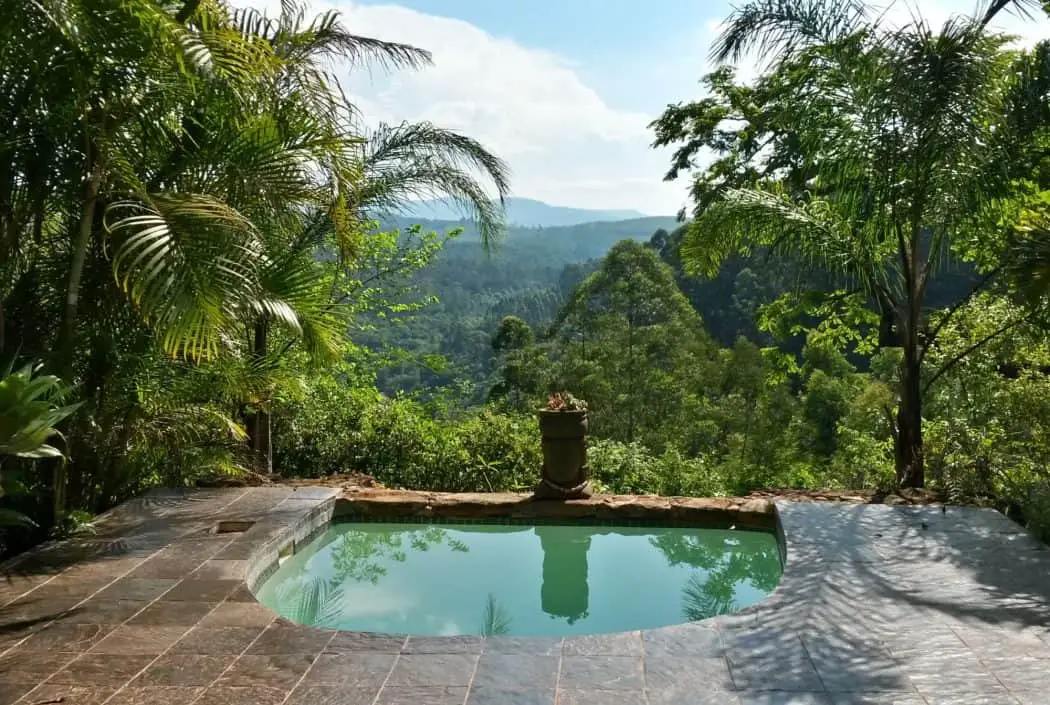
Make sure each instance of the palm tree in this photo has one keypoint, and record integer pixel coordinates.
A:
(376, 173)
(198, 147)
(899, 131)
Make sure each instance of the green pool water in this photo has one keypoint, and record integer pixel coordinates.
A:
(456, 579)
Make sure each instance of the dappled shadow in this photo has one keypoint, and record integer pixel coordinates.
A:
(927, 599)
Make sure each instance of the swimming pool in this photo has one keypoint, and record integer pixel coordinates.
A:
(519, 580)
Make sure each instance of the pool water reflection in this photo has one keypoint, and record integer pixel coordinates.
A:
(545, 580)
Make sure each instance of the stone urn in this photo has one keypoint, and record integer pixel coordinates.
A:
(565, 473)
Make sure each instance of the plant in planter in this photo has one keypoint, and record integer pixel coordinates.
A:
(563, 426)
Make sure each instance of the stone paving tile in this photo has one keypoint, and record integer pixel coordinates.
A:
(329, 695)
(66, 637)
(73, 694)
(1021, 674)
(242, 695)
(447, 695)
(601, 673)
(139, 640)
(190, 590)
(160, 695)
(601, 697)
(785, 699)
(443, 645)
(285, 638)
(28, 612)
(351, 670)
(513, 672)
(239, 614)
(216, 640)
(172, 614)
(690, 696)
(624, 644)
(682, 641)
(60, 589)
(486, 695)
(183, 670)
(993, 642)
(1001, 699)
(33, 666)
(242, 594)
(281, 671)
(847, 664)
(169, 567)
(364, 642)
(112, 612)
(221, 570)
(13, 691)
(690, 673)
(136, 589)
(241, 549)
(102, 670)
(877, 699)
(1031, 699)
(543, 646)
(763, 659)
(433, 669)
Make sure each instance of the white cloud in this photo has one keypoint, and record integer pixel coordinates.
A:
(564, 143)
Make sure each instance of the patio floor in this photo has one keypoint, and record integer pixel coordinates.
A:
(877, 605)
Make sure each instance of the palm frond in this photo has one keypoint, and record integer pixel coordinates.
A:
(495, 621)
(747, 218)
(1023, 8)
(296, 40)
(703, 599)
(186, 261)
(774, 27)
(415, 160)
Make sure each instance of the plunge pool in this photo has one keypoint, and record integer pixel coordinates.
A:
(520, 580)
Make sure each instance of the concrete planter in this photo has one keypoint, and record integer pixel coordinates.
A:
(565, 472)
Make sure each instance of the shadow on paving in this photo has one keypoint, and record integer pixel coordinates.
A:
(953, 604)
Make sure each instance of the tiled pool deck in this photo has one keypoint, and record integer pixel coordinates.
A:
(877, 605)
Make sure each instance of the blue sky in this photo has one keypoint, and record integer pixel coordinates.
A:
(619, 46)
(563, 90)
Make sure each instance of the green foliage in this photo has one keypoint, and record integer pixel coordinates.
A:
(30, 413)
(332, 426)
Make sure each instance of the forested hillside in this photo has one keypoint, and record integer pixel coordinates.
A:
(527, 273)
(520, 212)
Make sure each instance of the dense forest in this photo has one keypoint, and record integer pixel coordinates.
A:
(203, 273)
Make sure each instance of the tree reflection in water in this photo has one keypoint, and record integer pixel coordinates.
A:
(357, 556)
(495, 621)
(731, 559)
(564, 593)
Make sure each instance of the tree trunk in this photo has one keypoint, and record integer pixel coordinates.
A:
(81, 244)
(910, 462)
(258, 423)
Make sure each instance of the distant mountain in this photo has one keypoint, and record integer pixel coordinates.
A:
(523, 212)
(560, 244)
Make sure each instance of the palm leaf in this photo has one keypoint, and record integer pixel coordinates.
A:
(495, 621)
(420, 160)
(186, 261)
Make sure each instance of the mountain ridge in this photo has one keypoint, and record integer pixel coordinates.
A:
(587, 240)
(522, 212)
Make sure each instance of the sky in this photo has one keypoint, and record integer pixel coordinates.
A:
(563, 90)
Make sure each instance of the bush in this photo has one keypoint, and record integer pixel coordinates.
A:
(630, 468)
(333, 428)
